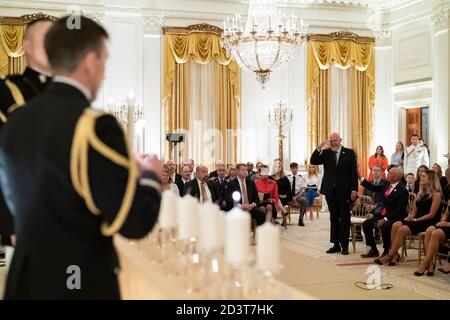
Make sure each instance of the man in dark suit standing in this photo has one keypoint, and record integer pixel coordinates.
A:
(340, 187)
(185, 178)
(248, 195)
(395, 204)
(70, 179)
(200, 187)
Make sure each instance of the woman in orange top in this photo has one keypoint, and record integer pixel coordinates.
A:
(380, 160)
(268, 193)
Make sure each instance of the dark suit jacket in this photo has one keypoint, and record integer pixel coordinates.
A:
(193, 189)
(213, 174)
(396, 204)
(234, 186)
(29, 84)
(378, 197)
(181, 186)
(341, 178)
(54, 226)
(177, 177)
(220, 189)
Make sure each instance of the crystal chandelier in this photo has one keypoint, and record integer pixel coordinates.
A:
(267, 43)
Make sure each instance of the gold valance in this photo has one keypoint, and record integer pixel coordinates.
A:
(342, 53)
(12, 30)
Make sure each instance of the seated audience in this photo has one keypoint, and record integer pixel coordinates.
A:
(426, 212)
(442, 179)
(435, 235)
(410, 182)
(398, 156)
(213, 174)
(420, 170)
(250, 170)
(268, 193)
(256, 175)
(220, 185)
(380, 160)
(167, 184)
(248, 200)
(185, 178)
(200, 187)
(446, 190)
(298, 185)
(171, 166)
(284, 188)
(231, 173)
(395, 205)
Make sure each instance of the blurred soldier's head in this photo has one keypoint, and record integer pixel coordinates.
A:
(78, 50)
(33, 45)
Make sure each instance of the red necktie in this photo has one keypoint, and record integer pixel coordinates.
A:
(384, 211)
(388, 191)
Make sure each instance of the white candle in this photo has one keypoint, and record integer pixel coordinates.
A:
(168, 212)
(187, 214)
(110, 105)
(268, 247)
(130, 98)
(210, 222)
(237, 237)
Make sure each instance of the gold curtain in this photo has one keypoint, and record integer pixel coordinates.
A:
(345, 50)
(11, 51)
(200, 43)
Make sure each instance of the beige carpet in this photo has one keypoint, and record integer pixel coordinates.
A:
(332, 276)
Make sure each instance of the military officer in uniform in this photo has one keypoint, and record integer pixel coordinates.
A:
(416, 155)
(16, 90)
(71, 180)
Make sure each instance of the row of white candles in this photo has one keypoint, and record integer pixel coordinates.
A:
(214, 230)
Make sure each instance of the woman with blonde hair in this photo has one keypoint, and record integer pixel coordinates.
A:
(312, 186)
(166, 182)
(426, 212)
(284, 186)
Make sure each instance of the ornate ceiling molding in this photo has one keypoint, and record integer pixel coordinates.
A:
(25, 19)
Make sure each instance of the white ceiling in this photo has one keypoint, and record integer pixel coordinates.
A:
(382, 4)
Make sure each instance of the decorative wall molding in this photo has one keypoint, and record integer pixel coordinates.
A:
(97, 16)
(202, 27)
(439, 17)
(340, 35)
(153, 23)
(27, 18)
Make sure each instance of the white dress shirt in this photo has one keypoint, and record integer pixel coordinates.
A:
(300, 182)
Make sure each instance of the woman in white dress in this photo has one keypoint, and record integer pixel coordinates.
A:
(398, 156)
(167, 184)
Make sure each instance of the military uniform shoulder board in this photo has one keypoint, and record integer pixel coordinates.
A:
(85, 137)
(17, 95)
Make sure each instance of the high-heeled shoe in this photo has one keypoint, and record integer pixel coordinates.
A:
(395, 260)
(419, 274)
(378, 261)
(430, 271)
(443, 271)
